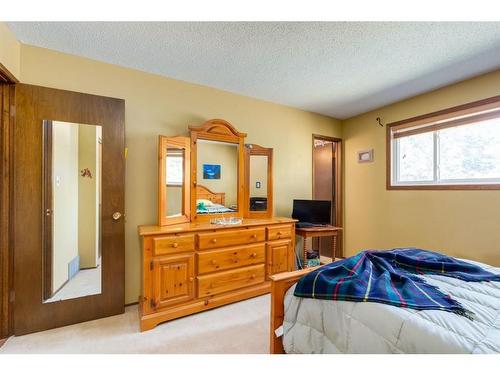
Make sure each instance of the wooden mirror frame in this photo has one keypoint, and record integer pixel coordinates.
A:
(221, 131)
(253, 149)
(180, 143)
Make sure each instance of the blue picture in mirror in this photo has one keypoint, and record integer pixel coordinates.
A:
(211, 171)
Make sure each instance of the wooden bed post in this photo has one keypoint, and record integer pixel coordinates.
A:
(280, 283)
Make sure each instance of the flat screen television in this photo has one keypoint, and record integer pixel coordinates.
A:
(312, 211)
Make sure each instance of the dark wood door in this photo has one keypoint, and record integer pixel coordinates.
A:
(35, 104)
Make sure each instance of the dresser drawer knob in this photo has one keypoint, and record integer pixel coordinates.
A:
(254, 255)
(206, 302)
(191, 279)
(254, 236)
(175, 245)
(279, 233)
(253, 276)
(213, 261)
(214, 240)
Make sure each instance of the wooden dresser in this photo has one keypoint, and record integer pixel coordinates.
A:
(196, 266)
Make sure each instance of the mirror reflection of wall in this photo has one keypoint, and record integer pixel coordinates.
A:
(174, 181)
(72, 171)
(258, 182)
(217, 190)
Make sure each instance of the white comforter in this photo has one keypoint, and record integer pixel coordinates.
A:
(322, 326)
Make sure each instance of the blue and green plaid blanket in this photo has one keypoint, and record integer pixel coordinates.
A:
(391, 277)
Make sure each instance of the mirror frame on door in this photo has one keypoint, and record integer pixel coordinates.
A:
(221, 131)
(253, 149)
(163, 144)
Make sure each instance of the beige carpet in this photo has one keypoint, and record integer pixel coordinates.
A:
(241, 327)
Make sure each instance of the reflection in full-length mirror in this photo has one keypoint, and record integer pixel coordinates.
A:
(174, 181)
(72, 155)
(217, 177)
(258, 182)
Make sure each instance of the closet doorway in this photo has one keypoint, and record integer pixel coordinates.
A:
(327, 185)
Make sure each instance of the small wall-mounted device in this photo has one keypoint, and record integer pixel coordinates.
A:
(257, 185)
(365, 156)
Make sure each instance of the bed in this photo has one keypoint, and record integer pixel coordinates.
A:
(212, 203)
(303, 325)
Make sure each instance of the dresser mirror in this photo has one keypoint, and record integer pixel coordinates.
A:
(259, 181)
(72, 159)
(217, 177)
(217, 170)
(173, 176)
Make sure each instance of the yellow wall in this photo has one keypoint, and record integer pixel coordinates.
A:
(157, 105)
(459, 223)
(10, 50)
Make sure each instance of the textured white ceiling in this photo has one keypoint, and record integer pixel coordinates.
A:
(338, 69)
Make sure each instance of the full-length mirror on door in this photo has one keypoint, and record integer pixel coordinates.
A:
(72, 199)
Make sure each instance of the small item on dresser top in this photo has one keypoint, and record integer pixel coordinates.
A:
(226, 221)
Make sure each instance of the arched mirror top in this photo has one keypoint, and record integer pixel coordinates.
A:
(217, 130)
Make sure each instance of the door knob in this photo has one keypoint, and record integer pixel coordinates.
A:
(117, 215)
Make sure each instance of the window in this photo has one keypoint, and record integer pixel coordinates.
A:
(457, 148)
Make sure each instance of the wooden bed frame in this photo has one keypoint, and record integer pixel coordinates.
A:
(204, 193)
(280, 283)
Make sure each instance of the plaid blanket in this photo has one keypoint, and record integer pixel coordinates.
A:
(391, 277)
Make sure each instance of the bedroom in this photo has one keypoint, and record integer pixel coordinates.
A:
(235, 98)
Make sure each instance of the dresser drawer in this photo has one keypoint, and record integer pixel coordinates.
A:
(278, 232)
(225, 281)
(231, 257)
(173, 244)
(225, 238)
